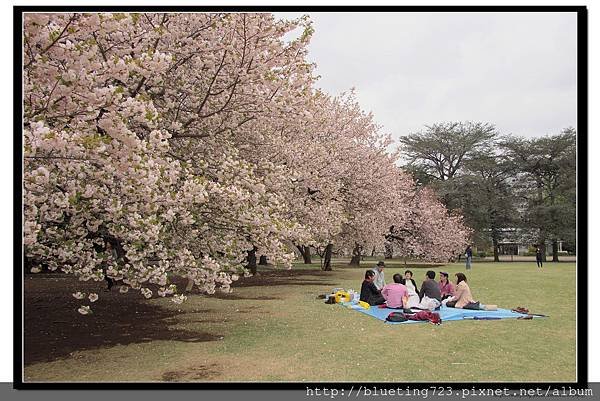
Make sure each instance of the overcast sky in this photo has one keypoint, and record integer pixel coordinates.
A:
(516, 70)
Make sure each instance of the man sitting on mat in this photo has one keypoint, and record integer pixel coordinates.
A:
(395, 293)
(430, 294)
(368, 292)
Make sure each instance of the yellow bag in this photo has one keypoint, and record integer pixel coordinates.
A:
(342, 296)
(364, 304)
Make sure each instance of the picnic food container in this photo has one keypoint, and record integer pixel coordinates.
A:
(342, 296)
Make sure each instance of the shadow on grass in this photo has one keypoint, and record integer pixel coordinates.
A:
(281, 277)
(54, 329)
(271, 282)
(391, 264)
(235, 297)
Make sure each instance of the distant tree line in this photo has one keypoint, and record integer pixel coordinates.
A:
(500, 183)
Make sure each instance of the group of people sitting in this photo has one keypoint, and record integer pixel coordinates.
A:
(403, 293)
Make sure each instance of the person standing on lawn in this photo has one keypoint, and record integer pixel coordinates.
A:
(368, 292)
(468, 257)
(395, 293)
(379, 277)
(430, 295)
(538, 256)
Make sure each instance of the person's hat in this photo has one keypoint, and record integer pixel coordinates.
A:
(444, 273)
(380, 263)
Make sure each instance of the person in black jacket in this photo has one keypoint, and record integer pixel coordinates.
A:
(368, 292)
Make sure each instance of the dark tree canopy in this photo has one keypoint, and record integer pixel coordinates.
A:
(488, 203)
(440, 150)
(546, 184)
(499, 184)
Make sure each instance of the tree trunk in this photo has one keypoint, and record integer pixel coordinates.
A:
(373, 252)
(28, 263)
(327, 259)
(555, 250)
(355, 261)
(305, 252)
(495, 245)
(306, 255)
(263, 260)
(389, 250)
(251, 261)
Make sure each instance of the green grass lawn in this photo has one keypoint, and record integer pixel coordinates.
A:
(272, 328)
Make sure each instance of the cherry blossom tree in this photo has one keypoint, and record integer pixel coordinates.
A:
(190, 144)
(105, 161)
(429, 232)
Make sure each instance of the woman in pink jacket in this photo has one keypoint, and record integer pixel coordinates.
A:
(462, 296)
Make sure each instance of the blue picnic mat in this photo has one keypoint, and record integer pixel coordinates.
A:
(447, 314)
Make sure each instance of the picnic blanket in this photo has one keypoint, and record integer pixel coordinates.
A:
(447, 314)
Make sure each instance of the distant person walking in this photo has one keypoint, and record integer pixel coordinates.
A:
(468, 257)
(538, 256)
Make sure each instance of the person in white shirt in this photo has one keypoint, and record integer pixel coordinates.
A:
(379, 277)
(412, 290)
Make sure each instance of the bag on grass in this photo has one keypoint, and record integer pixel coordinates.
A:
(396, 317)
(473, 306)
(364, 305)
(330, 300)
